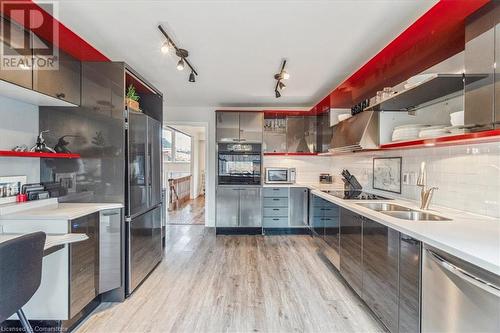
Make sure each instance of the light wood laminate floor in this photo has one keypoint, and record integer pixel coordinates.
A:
(190, 212)
(236, 284)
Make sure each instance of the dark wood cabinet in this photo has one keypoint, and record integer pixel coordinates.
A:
(351, 257)
(409, 284)
(63, 82)
(84, 263)
(15, 42)
(380, 271)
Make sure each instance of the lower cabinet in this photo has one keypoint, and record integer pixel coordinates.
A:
(380, 271)
(239, 207)
(83, 263)
(285, 207)
(351, 255)
(298, 206)
(383, 266)
(410, 260)
(325, 223)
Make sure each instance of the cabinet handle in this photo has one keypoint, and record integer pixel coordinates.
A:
(276, 189)
(276, 199)
(276, 219)
(110, 214)
(276, 209)
(243, 140)
(61, 95)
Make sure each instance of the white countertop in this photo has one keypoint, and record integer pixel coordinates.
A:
(50, 240)
(59, 211)
(471, 237)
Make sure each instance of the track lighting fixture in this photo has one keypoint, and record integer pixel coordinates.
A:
(181, 53)
(165, 48)
(279, 77)
(180, 64)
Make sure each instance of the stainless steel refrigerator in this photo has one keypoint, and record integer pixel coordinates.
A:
(143, 198)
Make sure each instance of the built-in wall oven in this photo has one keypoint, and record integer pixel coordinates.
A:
(239, 164)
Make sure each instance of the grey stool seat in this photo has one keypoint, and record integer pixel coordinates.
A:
(20, 274)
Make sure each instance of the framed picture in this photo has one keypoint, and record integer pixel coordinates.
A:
(387, 174)
(10, 186)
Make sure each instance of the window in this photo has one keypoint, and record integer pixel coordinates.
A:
(176, 146)
(182, 147)
(166, 143)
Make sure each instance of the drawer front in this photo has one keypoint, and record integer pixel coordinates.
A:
(275, 222)
(280, 192)
(328, 211)
(278, 211)
(275, 202)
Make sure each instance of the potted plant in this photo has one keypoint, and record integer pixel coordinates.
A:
(132, 99)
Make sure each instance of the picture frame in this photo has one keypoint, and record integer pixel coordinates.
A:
(387, 173)
(10, 187)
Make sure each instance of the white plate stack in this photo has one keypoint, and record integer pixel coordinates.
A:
(434, 131)
(407, 132)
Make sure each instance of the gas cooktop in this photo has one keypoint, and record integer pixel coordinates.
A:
(356, 195)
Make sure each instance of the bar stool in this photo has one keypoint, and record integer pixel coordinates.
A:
(20, 274)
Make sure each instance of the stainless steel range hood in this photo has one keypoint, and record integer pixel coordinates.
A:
(359, 132)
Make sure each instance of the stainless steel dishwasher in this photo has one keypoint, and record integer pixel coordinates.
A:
(110, 268)
(458, 296)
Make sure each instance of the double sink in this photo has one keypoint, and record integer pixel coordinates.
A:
(402, 212)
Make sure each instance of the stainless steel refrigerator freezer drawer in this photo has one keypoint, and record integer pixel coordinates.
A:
(110, 223)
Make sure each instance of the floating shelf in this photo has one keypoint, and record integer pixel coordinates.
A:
(9, 153)
(290, 154)
(433, 88)
(449, 140)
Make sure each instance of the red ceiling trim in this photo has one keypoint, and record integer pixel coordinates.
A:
(67, 40)
(434, 37)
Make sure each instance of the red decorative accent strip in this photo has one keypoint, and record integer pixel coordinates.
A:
(9, 153)
(67, 40)
(284, 113)
(290, 154)
(434, 37)
(459, 139)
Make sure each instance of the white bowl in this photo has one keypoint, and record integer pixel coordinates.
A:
(457, 118)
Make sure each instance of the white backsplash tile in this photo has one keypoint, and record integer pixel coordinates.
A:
(468, 176)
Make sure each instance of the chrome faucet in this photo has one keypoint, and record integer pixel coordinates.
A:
(425, 194)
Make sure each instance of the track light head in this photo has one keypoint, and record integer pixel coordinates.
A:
(192, 78)
(181, 64)
(278, 95)
(285, 75)
(165, 48)
(281, 85)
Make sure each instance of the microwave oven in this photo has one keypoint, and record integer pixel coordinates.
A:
(280, 175)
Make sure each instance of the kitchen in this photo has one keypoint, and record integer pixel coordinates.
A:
(378, 204)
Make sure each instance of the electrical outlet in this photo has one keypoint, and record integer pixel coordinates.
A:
(406, 178)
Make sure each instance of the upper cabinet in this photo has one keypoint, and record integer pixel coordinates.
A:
(13, 46)
(63, 82)
(57, 79)
(290, 134)
(239, 126)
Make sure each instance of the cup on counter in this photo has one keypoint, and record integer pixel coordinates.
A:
(21, 197)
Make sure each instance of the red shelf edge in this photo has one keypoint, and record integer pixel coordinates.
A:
(9, 153)
(290, 154)
(477, 137)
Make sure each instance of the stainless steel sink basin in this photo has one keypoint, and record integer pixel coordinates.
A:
(384, 207)
(415, 215)
(402, 212)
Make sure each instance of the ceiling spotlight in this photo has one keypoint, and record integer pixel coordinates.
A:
(165, 48)
(170, 46)
(180, 64)
(279, 77)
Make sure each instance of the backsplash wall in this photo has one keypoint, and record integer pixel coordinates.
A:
(468, 176)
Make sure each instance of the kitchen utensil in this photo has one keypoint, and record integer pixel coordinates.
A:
(40, 145)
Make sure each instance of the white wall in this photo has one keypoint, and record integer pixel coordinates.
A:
(200, 116)
(18, 125)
